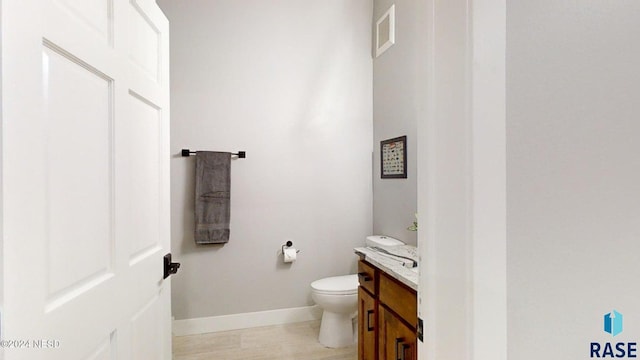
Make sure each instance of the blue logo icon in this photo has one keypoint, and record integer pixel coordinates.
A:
(613, 323)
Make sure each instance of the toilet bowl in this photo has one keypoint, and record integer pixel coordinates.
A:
(338, 298)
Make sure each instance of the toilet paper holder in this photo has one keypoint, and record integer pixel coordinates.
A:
(288, 244)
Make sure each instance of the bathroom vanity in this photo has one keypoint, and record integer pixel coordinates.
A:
(387, 306)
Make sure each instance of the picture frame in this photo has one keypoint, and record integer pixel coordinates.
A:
(393, 158)
(386, 31)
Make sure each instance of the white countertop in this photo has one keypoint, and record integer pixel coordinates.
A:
(393, 266)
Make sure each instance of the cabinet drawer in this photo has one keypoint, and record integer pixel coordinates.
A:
(367, 276)
(399, 298)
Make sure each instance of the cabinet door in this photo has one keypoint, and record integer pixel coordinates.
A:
(367, 317)
(396, 341)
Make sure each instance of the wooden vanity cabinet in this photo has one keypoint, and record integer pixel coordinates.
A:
(396, 340)
(367, 312)
(387, 316)
(367, 316)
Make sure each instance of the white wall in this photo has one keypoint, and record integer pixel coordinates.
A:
(396, 104)
(289, 82)
(573, 174)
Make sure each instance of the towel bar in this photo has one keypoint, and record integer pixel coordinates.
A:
(239, 154)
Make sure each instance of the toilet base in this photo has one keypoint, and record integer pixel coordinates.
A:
(336, 330)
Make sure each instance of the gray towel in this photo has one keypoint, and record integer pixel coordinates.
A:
(213, 187)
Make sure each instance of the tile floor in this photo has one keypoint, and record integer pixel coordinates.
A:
(297, 341)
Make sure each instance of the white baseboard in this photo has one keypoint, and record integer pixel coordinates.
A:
(245, 320)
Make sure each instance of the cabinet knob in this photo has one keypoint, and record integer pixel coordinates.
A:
(370, 326)
(364, 276)
(401, 349)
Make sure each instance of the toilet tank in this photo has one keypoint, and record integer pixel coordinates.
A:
(381, 240)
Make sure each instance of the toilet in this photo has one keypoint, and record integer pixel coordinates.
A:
(338, 298)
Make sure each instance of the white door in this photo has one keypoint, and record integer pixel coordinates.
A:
(85, 180)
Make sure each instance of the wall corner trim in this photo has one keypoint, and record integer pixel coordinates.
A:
(210, 324)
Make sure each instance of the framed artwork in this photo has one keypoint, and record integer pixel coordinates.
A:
(386, 31)
(393, 158)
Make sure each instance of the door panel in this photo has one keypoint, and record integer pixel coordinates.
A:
(146, 330)
(143, 139)
(104, 351)
(144, 44)
(85, 179)
(93, 15)
(77, 101)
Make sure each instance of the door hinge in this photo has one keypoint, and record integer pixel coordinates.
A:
(420, 330)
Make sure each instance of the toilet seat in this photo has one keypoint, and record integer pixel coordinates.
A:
(336, 285)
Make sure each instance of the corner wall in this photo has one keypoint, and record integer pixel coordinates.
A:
(289, 82)
(573, 174)
(396, 102)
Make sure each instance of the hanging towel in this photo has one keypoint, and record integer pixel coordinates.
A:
(213, 187)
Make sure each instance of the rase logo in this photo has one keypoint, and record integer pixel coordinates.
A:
(613, 324)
